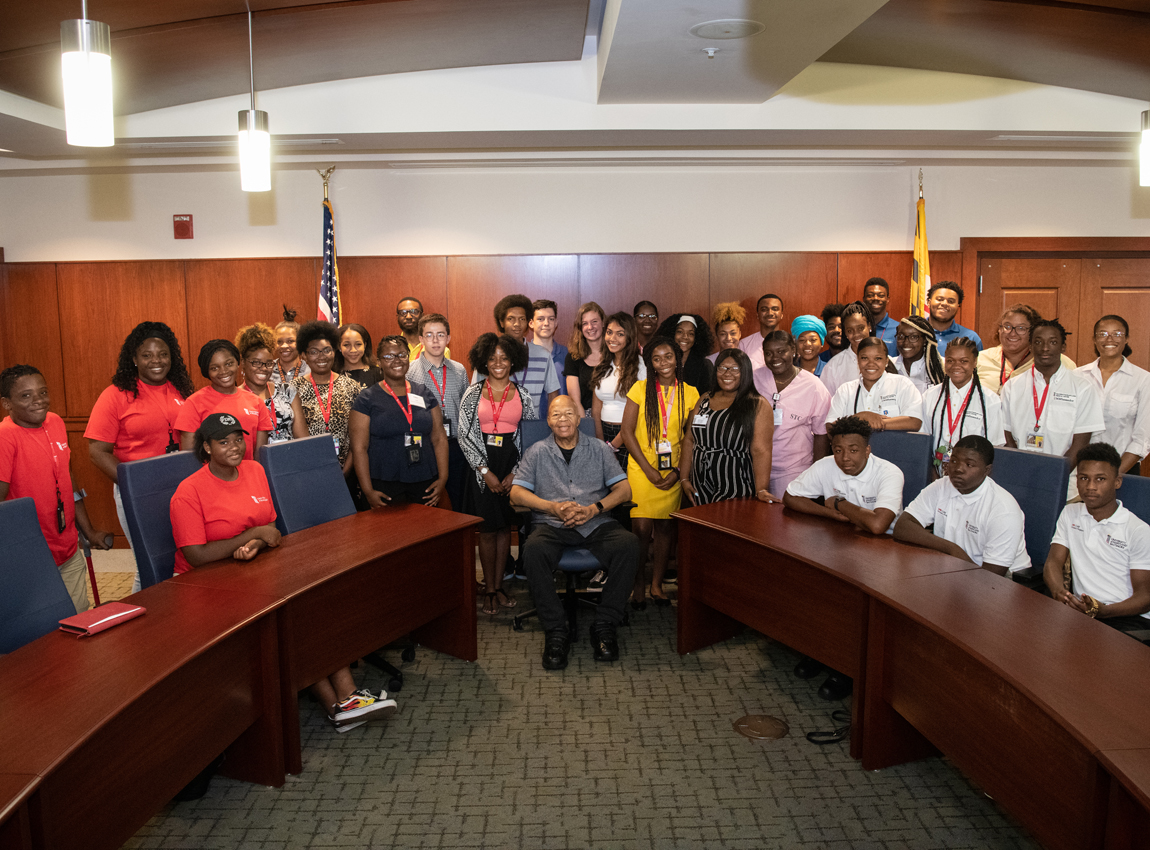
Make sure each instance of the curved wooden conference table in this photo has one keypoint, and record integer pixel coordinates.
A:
(97, 734)
(1046, 709)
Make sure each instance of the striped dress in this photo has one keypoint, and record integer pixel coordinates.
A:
(721, 465)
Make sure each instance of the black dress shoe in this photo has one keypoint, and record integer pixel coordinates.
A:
(555, 649)
(808, 668)
(604, 642)
(836, 687)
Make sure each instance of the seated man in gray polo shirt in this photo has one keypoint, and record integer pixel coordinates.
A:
(570, 482)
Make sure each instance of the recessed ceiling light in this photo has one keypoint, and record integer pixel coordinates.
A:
(727, 28)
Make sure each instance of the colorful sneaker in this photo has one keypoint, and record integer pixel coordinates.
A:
(347, 727)
(363, 705)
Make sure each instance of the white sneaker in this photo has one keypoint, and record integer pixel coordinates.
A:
(362, 705)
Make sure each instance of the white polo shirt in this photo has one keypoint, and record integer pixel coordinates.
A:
(879, 485)
(1102, 554)
(891, 395)
(988, 409)
(1125, 407)
(841, 368)
(916, 373)
(1072, 407)
(987, 523)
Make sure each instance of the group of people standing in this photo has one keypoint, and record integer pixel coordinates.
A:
(684, 423)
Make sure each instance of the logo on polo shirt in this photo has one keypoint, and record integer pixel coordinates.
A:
(1070, 397)
(796, 416)
(869, 500)
(225, 419)
(971, 527)
(1115, 543)
(1076, 527)
(941, 512)
(258, 499)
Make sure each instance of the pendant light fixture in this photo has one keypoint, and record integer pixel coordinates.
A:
(86, 60)
(1144, 152)
(255, 141)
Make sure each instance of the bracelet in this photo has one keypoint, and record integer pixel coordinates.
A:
(599, 505)
(1092, 606)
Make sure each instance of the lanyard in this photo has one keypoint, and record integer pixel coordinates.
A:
(55, 458)
(952, 421)
(442, 392)
(1038, 407)
(1002, 376)
(495, 411)
(858, 391)
(405, 408)
(664, 405)
(319, 401)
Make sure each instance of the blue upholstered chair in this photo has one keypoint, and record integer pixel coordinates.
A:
(1038, 483)
(1134, 494)
(33, 598)
(146, 488)
(911, 453)
(575, 559)
(306, 481)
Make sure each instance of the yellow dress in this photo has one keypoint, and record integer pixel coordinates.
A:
(650, 501)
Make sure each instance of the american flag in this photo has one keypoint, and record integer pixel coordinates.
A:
(330, 309)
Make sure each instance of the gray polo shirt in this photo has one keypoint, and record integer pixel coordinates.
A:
(587, 479)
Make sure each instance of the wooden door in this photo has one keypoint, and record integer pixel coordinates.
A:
(1052, 286)
(1120, 287)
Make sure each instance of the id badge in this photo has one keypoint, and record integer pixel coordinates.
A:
(447, 427)
(778, 416)
(663, 453)
(702, 418)
(1034, 442)
(61, 519)
(335, 440)
(414, 455)
(413, 440)
(495, 440)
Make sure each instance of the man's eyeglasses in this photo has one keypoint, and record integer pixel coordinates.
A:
(416, 312)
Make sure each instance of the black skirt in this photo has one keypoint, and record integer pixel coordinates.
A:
(493, 508)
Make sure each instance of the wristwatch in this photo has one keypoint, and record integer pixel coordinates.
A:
(599, 505)
(483, 470)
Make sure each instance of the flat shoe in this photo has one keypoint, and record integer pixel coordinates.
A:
(836, 687)
(639, 605)
(808, 668)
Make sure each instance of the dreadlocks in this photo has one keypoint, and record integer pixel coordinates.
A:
(935, 373)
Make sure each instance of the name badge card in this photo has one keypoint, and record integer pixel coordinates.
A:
(1034, 442)
(778, 416)
(663, 452)
(416, 401)
(702, 418)
(495, 440)
(447, 428)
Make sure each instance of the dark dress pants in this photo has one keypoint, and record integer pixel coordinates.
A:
(616, 549)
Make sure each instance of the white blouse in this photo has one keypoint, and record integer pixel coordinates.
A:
(891, 395)
(613, 403)
(1125, 407)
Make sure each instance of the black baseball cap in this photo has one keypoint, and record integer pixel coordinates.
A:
(220, 425)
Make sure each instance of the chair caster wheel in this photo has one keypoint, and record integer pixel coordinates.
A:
(408, 654)
(517, 625)
(394, 686)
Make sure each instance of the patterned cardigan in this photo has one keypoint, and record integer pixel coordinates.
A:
(471, 438)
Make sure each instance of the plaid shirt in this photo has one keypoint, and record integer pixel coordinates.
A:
(456, 383)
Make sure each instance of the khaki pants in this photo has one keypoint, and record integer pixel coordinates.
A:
(74, 571)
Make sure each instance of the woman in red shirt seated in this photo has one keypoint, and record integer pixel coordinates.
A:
(225, 510)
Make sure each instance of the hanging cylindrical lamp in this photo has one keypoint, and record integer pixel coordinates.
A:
(86, 59)
(1144, 152)
(255, 140)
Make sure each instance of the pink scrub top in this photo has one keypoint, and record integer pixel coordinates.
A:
(800, 413)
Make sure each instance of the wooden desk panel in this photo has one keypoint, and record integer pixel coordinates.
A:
(149, 704)
(1128, 811)
(15, 824)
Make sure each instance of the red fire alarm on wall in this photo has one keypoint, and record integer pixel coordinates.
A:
(182, 226)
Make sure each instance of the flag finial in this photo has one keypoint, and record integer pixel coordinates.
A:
(919, 182)
(326, 175)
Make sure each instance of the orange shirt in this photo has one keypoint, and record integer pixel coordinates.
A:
(205, 509)
(34, 462)
(242, 404)
(136, 426)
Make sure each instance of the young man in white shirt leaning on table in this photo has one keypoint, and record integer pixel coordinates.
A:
(1109, 548)
(856, 487)
(967, 514)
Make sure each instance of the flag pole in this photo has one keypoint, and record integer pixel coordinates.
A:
(330, 305)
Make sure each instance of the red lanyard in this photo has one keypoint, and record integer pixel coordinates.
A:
(55, 459)
(494, 410)
(952, 421)
(319, 401)
(405, 408)
(442, 392)
(1038, 407)
(664, 404)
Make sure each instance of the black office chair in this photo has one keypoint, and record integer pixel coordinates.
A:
(147, 487)
(575, 560)
(1038, 483)
(308, 489)
(911, 453)
(34, 598)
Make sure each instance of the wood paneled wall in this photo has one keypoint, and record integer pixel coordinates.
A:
(70, 319)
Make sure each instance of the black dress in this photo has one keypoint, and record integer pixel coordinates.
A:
(721, 466)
